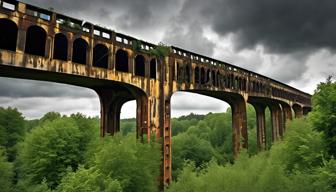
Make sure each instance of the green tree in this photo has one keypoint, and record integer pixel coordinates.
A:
(135, 165)
(127, 126)
(49, 150)
(6, 172)
(189, 147)
(303, 147)
(323, 115)
(88, 180)
(294, 164)
(50, 116)
(12, 130)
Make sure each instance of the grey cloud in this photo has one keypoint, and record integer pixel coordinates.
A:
(142, 16)
(189, 37)
(186, 29)
(281, 26)
(27, 88)
(194, 102)
(38, 106)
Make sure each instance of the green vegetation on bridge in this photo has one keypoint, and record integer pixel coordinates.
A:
(59, 153)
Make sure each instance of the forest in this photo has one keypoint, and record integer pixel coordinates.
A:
(58, 153)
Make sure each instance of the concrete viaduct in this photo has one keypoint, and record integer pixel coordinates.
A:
(40, 44)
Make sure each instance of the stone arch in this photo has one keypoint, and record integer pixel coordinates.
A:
(8, 34)
(60, 47)
(79, 51)
(139, 65)
(121, 61)
(36, 40)
(100, 56)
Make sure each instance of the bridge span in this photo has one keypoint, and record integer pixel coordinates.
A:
(40, 44)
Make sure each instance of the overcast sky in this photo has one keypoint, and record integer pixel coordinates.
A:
(290, 41)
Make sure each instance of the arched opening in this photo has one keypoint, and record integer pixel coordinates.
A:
(66, 104)
(244, 85)
(153, 68)
(265, 127)
(298, 111)
(128, 118)
(240, 84)
(187, 74)
(139, 63)
(35, 41)
(258, 87)
(202, 75)
(178, 71)
(181, 73)
(79, 51)
(197, 75)
(100, 56)
(199, 131)
(60, 47)
(8, 34)
(121, 61)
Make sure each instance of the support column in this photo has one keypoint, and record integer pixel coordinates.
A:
(287, 114)
(48, 46)
(167, 149)
(142, 118)
(105, 117)
(261, 122)
(239, 126)
(89, 53)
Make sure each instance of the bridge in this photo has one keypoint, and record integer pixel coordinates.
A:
(40, 44)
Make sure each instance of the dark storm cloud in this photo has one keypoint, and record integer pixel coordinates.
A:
(124, 14)
(282, 26)
(27, 88)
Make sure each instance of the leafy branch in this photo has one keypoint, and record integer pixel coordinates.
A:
(160, 51)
